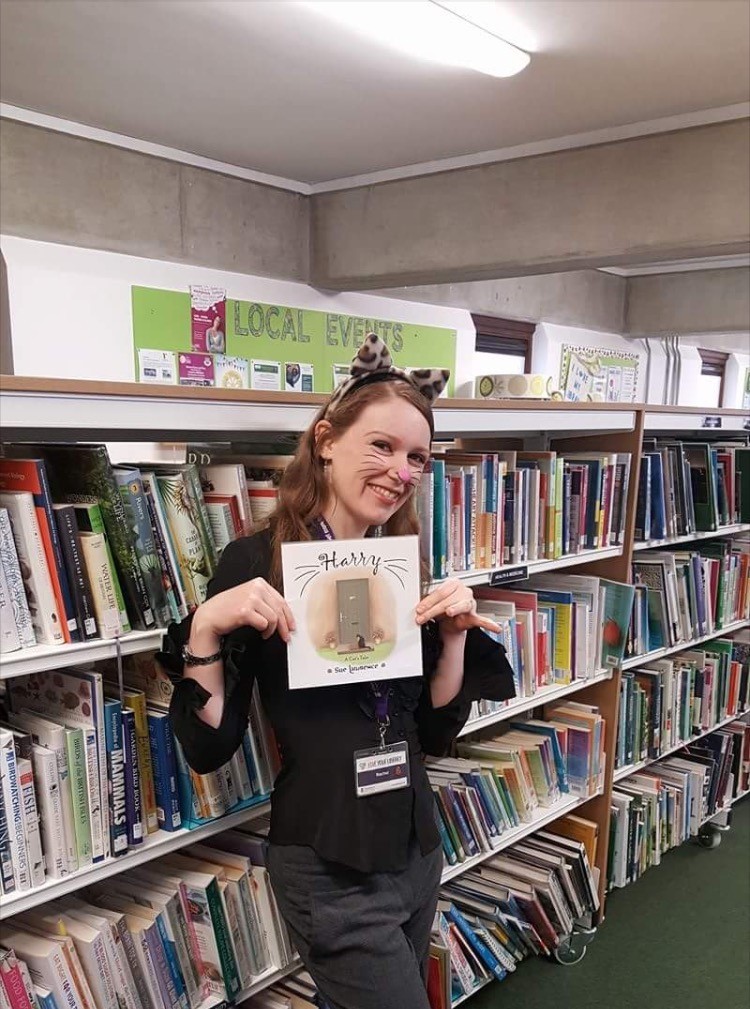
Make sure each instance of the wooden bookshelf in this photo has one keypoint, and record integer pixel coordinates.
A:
(68, 410)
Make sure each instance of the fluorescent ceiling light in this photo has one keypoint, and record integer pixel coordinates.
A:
(428, 31)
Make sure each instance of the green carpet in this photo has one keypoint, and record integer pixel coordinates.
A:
(679, 938)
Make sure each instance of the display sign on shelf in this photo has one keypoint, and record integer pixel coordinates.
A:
(311, 349)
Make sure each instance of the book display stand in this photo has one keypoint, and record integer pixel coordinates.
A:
(76, 411)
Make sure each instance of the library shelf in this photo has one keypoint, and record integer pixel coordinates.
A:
(43, 657)
(661, 653)
(481, 576)
(730, 530)
(628, 769)
(542, 817)
(543, 696)
(703, 421)
(129, 411)
(162, 842)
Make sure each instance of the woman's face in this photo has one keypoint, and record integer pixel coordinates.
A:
(376, 464)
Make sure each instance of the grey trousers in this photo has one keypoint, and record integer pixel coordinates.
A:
(364, 938)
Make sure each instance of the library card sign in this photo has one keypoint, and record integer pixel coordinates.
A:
(300, 341)
(516, 574)
(353, 602)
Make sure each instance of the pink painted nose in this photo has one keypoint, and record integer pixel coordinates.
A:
(404, 475)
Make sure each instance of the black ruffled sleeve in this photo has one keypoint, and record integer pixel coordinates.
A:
(207, 748)
(487, 675)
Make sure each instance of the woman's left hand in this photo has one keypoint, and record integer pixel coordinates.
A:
(454, 606)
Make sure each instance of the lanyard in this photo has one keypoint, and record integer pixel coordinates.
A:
(381, 698)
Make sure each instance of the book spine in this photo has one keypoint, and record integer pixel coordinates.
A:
(31, 821)
(127, 944)
(104, 597)
(49, 794)
(76, 753)
(91, 766)
(167, 574)
(204, 526)
(161, 968)
(200, 918)
(136, 510)
(83, 602)
(137, 702)
(12, 981)
(10, 640)
(170, 957)
(118, 819)
(223, 942)
(484, 955)
(165, 772)
(55, 560)
(12, 801)
(16, 590)
(7, 879)
(194, 565)
(132, 778)
(157, 503)
(180, 938)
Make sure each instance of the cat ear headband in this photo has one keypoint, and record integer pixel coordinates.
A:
(373, 363)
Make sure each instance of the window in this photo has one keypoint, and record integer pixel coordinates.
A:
(710, 391)
(503, 346)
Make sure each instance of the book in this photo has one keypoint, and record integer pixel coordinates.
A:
(164, 762)
(10, 640)
(16, 592)
(128, 479)
(27, 538)
(118, 820)
(136, 701)
(10, 789)
(30, 476)
(103, 575)
(133, 801)
(70, 541)
(185, 528)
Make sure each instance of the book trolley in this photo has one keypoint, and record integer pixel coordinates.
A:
(81, 411)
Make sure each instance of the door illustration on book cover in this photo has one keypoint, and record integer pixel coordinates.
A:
(354, 615)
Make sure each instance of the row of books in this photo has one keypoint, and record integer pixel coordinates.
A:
(664, 805)
(558, 629)
(686, 594)
(88, 772)
(296, 992)
(484, 510)
(669, 701)
(200, 924)
(494, 785)
(90, 550)
(686, 487)
(516, 904)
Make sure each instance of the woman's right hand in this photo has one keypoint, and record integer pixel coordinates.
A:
(252, 604)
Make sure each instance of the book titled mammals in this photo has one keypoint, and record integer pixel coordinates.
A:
(353, 602)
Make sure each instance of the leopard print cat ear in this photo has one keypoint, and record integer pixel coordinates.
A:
(373, 362)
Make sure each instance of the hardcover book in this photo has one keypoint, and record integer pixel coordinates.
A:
(354, 604)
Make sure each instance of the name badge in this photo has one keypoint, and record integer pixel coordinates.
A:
(382, 769)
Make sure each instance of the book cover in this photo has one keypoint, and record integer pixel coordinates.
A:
(136, 701)
(167, 571)
(165, 770)
(31, 827)
(128, 480)
(163, 535)
(354, 604)
(14, 579)
(49, 795)
(10, 640)
(77, 575)
(12, 802)
(132, 778)
(181, 513)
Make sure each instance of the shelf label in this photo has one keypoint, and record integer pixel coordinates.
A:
(516, 574)
(711, 421)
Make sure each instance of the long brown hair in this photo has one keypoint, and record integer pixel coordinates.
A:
(304, 488)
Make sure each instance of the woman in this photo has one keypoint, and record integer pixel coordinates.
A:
(356, 878)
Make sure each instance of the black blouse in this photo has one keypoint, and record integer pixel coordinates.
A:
(314, 801)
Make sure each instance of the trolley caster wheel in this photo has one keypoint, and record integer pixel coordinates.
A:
(709, 837)
(570, 952)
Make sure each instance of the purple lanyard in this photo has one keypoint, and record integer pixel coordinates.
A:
(322, 530)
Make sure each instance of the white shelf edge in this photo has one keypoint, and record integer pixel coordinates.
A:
(483, 575)
(662, 653)
(43, 657)
(670, 541)
(264, 980)
(521, 704)
(160, 843)
(624, 772)
(544, 816)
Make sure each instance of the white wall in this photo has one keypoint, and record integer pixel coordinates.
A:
(70, 308)
(734, 379)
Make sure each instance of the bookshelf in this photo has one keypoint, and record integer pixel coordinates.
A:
(731, 530)
(660, 653)
(62, 410)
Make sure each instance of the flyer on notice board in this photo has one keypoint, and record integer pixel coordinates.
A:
(354, 604)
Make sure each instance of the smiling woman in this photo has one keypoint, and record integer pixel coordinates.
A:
(355, 856)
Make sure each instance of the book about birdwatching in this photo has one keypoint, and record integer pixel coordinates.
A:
(353, 602)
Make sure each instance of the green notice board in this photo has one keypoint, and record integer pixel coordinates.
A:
(255, 330)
